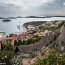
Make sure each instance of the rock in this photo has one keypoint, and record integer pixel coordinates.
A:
(60, 41)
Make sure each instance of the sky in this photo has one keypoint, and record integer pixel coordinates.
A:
(32, 7)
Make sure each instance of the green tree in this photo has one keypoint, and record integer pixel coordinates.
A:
(17, 49)
(15, 43)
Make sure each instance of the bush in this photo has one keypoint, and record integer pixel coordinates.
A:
(54, 58)
(5, 56)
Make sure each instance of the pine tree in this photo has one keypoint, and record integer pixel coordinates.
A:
(17, 49)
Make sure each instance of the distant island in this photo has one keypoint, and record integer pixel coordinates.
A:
(2, 18)
(6, 20)
(29, 17)
(42, 16)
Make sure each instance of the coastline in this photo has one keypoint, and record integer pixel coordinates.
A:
(10, 27)
(29, 42)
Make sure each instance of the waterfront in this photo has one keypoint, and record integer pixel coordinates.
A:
(11, 27)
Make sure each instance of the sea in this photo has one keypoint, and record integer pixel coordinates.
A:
(15, 26)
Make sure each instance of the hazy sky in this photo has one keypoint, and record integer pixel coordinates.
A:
(32, 7)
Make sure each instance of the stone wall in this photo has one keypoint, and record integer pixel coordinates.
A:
(44, 42)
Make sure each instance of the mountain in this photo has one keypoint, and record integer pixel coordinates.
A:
(35, 17)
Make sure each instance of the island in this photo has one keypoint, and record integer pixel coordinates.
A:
(6, 20)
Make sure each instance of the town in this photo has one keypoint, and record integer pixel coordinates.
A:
(34, 31)
(40, 37)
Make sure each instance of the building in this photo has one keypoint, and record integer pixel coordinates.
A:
(0, 46)
(10, 39)
(54, 25)
(46, 31)
(31, 27)
(49, 22)
(58, 22)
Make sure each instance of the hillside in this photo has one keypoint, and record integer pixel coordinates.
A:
(48, 40)
(53, 39)
(60, 41)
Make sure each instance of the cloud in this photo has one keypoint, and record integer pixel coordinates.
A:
(32, 7)
(26, 3)
(63, 3)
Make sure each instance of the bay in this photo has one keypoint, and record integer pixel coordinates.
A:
(11, 27)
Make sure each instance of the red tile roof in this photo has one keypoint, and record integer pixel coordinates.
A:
(9, 38)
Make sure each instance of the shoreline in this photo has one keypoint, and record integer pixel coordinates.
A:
(24, 20)
(28, 23)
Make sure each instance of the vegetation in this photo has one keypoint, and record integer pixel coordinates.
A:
(64, 23)
(50, 28)
(54, 58)
(5, 56)
(60, 25)
(6, 20)
(17, 49)
(6, 46)
(6, 53)
(35, 23)
(33, 32)
(16, 61)
(29, 41)
(10, 35)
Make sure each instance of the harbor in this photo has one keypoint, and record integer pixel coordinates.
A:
(16, 25)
